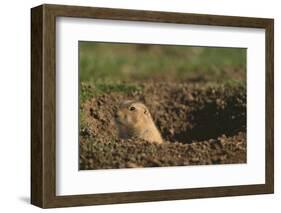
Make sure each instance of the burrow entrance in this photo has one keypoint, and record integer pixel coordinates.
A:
(209, 116)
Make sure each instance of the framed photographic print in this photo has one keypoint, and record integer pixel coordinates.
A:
(136, 106)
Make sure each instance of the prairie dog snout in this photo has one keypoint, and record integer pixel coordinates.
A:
(133, 119)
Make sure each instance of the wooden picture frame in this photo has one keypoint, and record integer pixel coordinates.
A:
(43, 105)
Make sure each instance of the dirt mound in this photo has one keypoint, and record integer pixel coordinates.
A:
(201, 124)
(134, 153)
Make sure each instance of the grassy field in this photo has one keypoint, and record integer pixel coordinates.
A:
(117, 63)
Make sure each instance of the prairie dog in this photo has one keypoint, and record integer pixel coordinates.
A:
(134, 120)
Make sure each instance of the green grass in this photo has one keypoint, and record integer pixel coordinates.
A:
(88, 90)
(116, 63)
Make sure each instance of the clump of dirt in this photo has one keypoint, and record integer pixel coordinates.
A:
(201, 124)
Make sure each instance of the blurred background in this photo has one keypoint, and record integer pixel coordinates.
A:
(119, 62)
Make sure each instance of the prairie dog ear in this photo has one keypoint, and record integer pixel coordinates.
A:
(146, 112)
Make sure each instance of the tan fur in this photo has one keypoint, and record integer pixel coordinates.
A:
(134, 120)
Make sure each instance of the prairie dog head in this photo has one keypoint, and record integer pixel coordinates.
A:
(134, 119)
(132, 114)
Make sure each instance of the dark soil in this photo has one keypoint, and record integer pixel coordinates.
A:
(200, 124)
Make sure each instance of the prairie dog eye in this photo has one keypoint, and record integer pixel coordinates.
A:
(132, 108)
